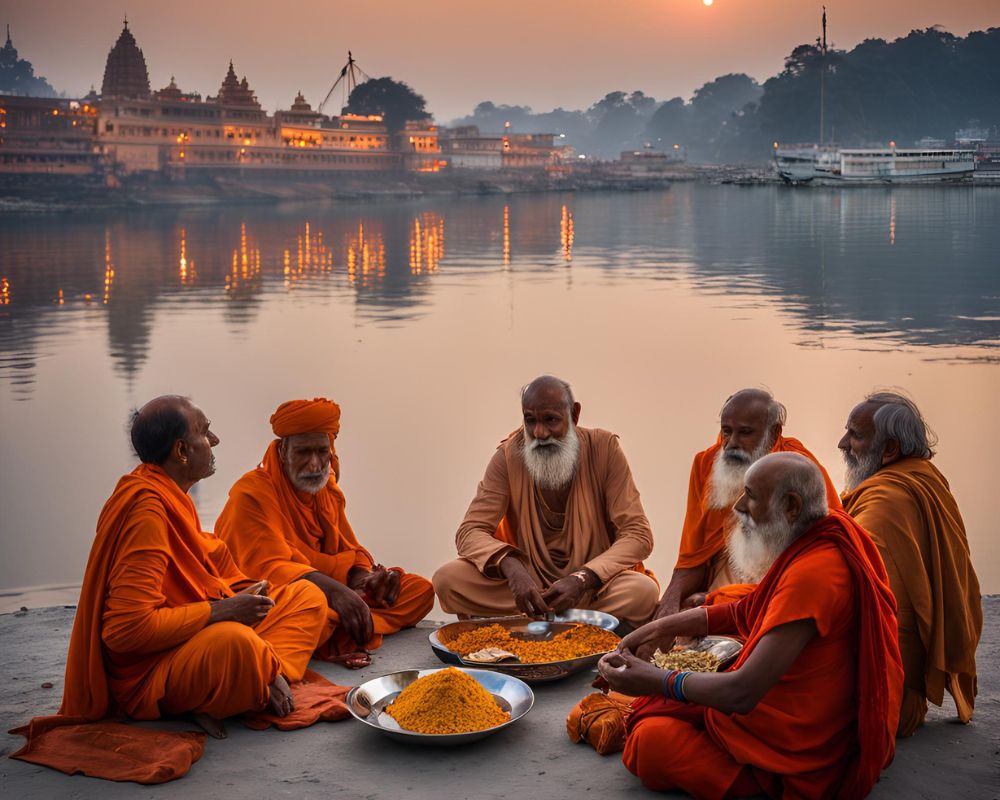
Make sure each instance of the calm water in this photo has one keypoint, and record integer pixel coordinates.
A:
(423, 318)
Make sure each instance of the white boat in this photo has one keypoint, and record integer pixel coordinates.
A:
(834, 165)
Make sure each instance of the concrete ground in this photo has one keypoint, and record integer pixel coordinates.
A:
(532, 759)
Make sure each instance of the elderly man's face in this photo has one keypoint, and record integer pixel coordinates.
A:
(862, 455)
(744, 431)
(306, 458)
(546, 416)
(199, 440)
(756, 498)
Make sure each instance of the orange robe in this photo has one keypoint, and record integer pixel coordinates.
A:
(826, 729)
(277, 532)
(141, 645)
(703, 537)
(914, 521)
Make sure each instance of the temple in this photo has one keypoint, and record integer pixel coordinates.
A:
(129, 130)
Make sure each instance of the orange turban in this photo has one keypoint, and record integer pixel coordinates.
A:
(318, 415)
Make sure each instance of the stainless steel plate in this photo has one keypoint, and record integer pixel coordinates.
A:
(367, 704)
(530, 673)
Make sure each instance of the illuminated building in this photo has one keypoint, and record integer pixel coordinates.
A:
(132, 131)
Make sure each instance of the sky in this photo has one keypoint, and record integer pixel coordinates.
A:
(546, 54)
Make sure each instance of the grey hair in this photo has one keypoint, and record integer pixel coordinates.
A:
(777, 414)
(804, 479)
(570, 400)
(898, 417)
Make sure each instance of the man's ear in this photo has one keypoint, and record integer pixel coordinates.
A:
(890, 452)
(793, 506)
(180, 451)
(576, 413)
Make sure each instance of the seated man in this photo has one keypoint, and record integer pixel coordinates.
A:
(556, 522)
(162, 627)
(285, 521)
(811, 704)
(751, 423)
(896, 494)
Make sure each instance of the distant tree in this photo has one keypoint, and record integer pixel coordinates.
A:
(394, 100)
(17, 75)
(670, 123)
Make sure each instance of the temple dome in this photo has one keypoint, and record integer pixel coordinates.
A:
(125, 73)
(235, 92)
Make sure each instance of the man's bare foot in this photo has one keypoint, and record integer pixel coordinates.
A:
(212, 726)
(358, 660)
(281, 704)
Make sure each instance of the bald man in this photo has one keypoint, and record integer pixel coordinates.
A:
(555, 524)
(167, 624)
(810, 707)
(750, 426)
(905, 503)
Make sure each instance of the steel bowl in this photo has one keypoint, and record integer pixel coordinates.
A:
(368, 701)
(529, 673)
(589, 617)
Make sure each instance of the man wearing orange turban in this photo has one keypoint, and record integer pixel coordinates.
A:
(285, 521)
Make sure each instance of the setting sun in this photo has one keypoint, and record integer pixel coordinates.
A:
(708, 2)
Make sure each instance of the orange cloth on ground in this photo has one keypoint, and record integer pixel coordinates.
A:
(599, 719)
(827, 727)
(913, 518)
(277, 532)
(126, 752)
(705, 529)
(141, 644)
(316, 699)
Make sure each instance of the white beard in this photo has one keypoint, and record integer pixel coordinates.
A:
(552, 465)
(753, 548)
(728, 470)
(311, 482)
(860, 468)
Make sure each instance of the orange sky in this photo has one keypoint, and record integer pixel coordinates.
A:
(549, 53)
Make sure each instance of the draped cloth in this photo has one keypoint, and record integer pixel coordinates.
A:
(141, 644)
(280, 533)
(605, 530)
(827, 727)
(914, 520)
(703, 536)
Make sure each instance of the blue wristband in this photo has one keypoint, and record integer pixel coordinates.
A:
(679, 687)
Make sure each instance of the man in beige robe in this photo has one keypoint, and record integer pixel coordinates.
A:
(555, 524)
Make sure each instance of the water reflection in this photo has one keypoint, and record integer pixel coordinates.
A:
(824, 256)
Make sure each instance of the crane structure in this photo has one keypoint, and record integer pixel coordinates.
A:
(347, 80)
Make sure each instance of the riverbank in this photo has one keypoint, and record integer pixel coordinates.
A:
(533, 758)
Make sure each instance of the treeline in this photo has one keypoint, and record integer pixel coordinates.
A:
(929, 83)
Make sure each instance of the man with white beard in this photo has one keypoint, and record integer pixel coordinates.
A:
(751, 424)
(555, 524)
(809, 709)
(898, 496)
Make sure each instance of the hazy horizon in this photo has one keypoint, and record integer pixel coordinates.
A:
(566, 54)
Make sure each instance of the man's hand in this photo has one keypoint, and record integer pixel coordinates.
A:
(567, 592)
(381, 586)
(630, 675)
(355, 617)
(643, 641)
(527, 595)
(247, 609)
(684, 582)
